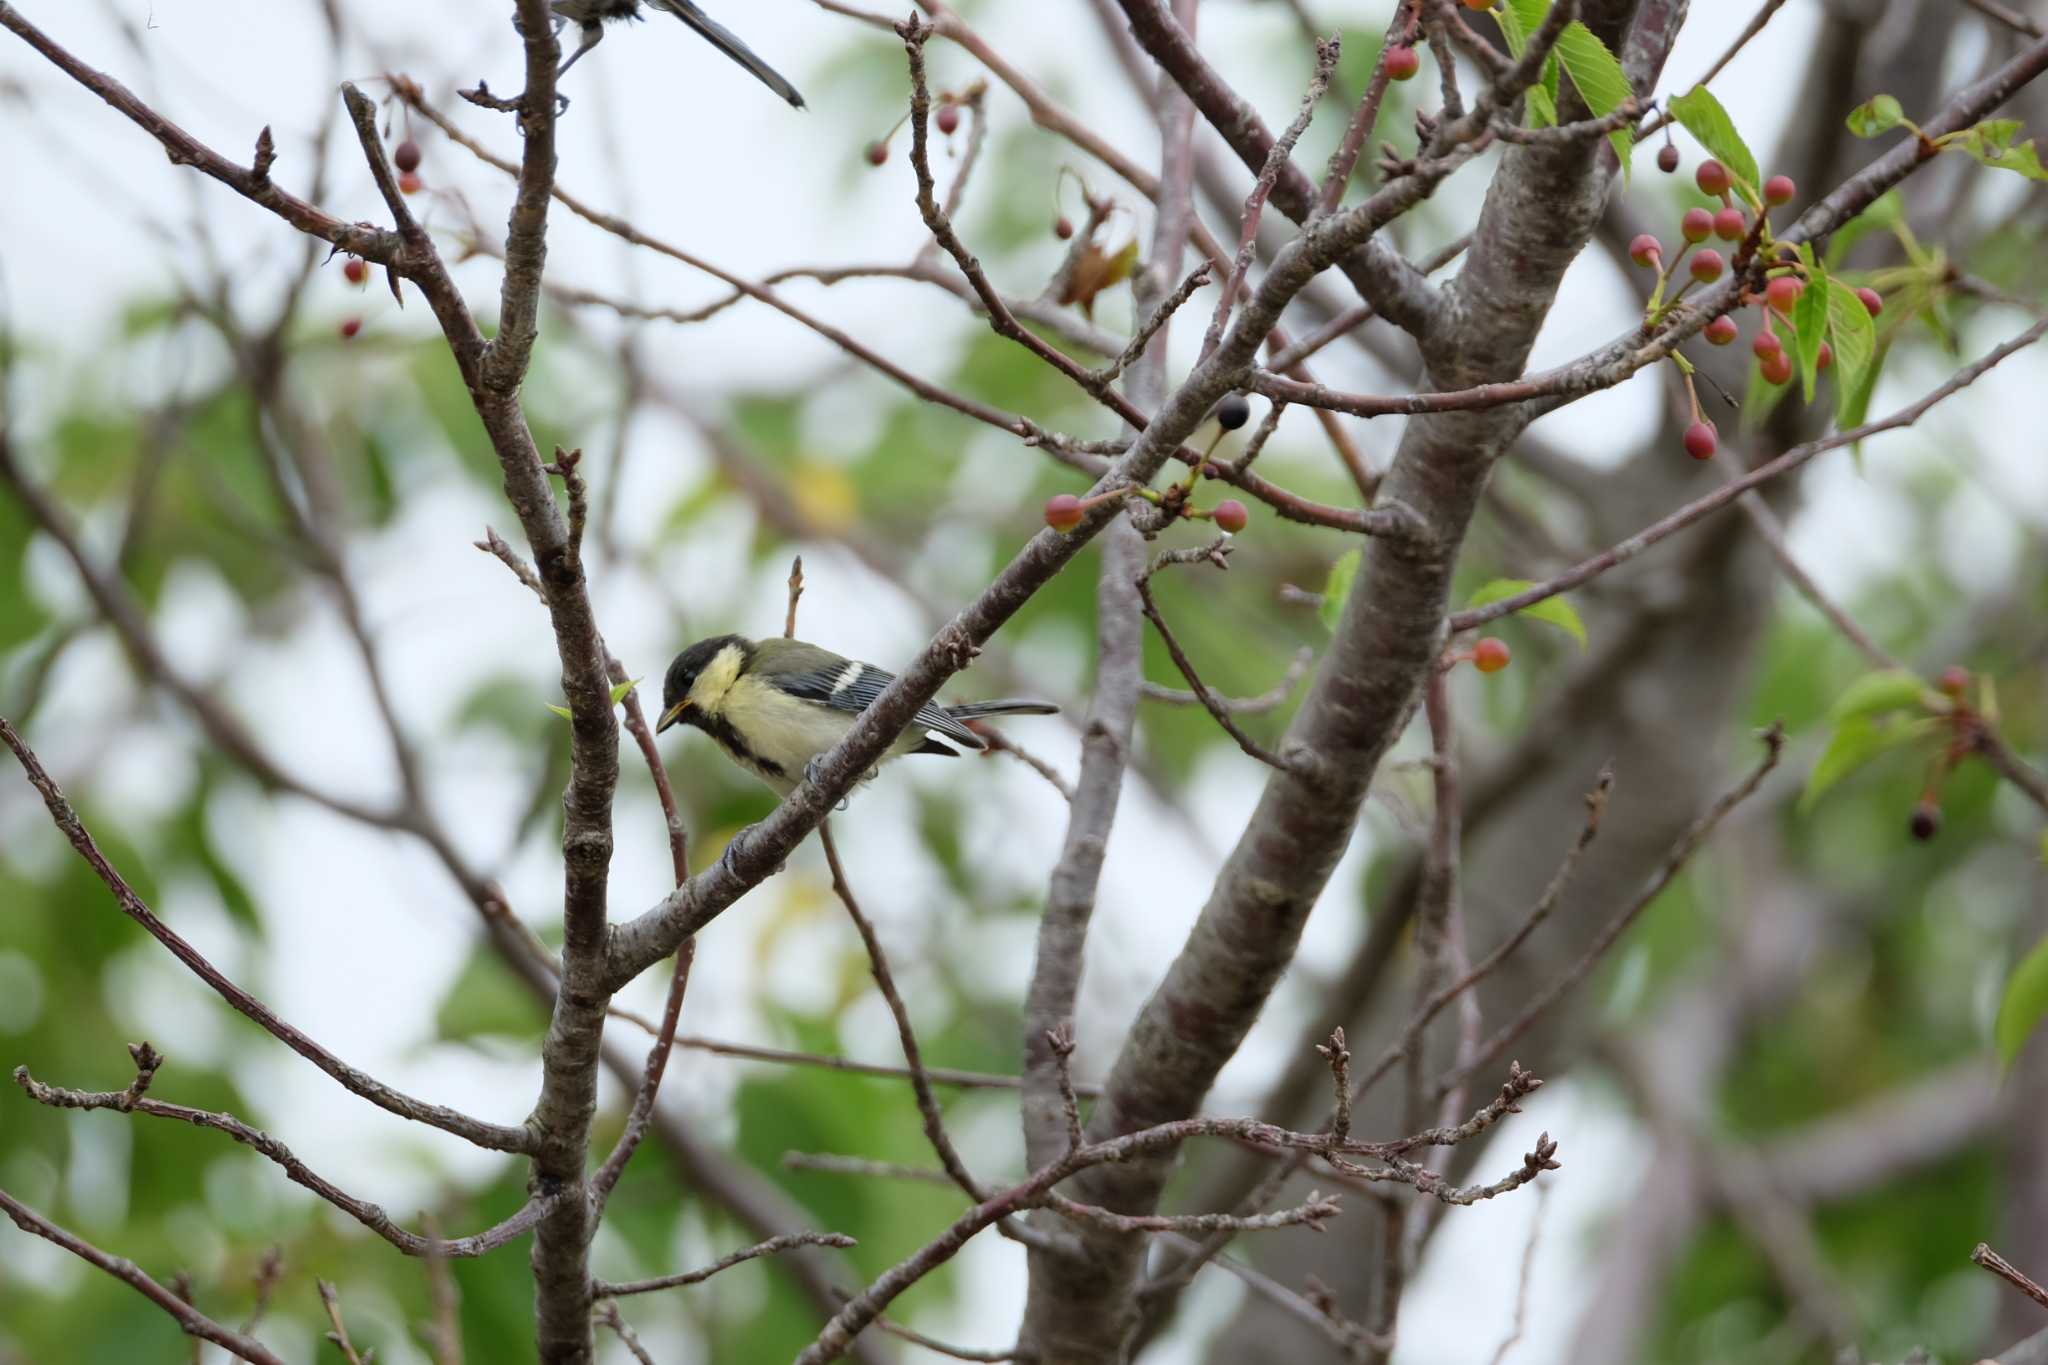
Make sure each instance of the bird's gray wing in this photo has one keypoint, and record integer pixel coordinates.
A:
(851, 686)
(722, 38)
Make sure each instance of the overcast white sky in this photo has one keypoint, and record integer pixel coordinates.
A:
(76, 246)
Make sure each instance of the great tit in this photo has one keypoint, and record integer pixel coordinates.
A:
(593, 15)
(775, 706)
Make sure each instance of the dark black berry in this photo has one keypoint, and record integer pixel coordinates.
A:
(1667, 160)
(1926, 821)
(1233, 412)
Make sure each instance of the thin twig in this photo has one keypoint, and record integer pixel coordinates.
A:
(2010, 1273)
(605, 1289)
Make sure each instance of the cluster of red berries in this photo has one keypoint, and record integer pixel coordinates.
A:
(1731, 223)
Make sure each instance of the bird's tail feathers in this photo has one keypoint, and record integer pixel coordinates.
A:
(727, 42)
(1007, 706)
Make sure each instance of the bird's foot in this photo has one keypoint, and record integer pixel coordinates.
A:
(811, 770)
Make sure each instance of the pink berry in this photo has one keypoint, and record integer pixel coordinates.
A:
(409, 182)
(1701, 440)
(1063, 227)
(1783, 291)
(350, 327)
(1777, 369)
(1779, 189)
(1721, 330)
(1825, 358)
(1697, 225)
(1766, 345)
(876, 153)
(1873, 302)
(1954, 681)
(1403, 62)
(1707, 266)
(354, 270)
(1730, 225)
(1490, 655)
(948, 119)
(1644, 250)
(1230, 515)
(1063, 511)
(1713, 178)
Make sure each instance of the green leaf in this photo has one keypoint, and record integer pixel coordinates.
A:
(1887, 689)
(1810, 319)
(1599, 79)
(1542, 108)
(2025, 1002)
(1703, 117)
(619, 692)
(1342, 574)
(1875, 116)
(561, 711)
(1852, 400)
(1553, 611)
(2021, 159)
(1857, 741)
(1854, 336)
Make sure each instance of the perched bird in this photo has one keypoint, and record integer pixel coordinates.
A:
(775, 706)
(593, 15)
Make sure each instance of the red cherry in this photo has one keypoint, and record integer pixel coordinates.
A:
(1490, 655)
(1721, 330)
(1783, 291)
(1730, 225)
(948, 119)
(1667, 159)
(1402, 62)
(1779, 189)
(1643, 250)
(1713, 178)
(1873, 302)
(354, 270)
(1063, 511)
(1766, 345)
(406, 156)
(1063, 227)
(1701, 440)
(350, 327)
(1778, 369)
(1825, 358)
(1954, 681)
(876, 153)
(1230, 515)
(409, 182)
(1697, 225)
(1707, 266)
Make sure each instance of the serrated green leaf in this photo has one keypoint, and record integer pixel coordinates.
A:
(1997, 134)
(1887, 689)
(1876, 116)
(1810, 318)
(561, 711)
(1599, 79)
(1855, 742)
(1854, 336)
(1553, 611)
(2025, 1002)
(619, 692)
(1342, 574)
(1542, 107)
(1702, 116)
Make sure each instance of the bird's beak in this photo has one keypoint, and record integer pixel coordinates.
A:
(672, 715)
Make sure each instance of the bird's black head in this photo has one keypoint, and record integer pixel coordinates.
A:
(682, 676)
